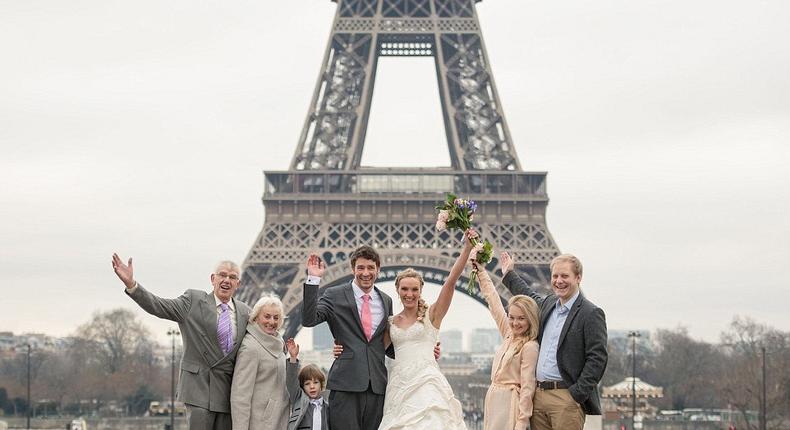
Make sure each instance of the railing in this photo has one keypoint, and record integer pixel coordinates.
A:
(404, 181)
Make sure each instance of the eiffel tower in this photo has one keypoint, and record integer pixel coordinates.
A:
(327, 203)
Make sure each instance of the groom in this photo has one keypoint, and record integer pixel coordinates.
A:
(357, 316)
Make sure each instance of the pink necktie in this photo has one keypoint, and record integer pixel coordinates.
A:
(367, 319)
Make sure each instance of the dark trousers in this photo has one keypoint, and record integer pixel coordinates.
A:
(350, 410)
(204, 419)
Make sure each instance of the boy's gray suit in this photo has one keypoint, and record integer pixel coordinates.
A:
(301, 413)
(358, 375)
(206, 373)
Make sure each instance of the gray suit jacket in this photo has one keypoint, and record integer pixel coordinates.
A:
(301, 413)
(362, 362)
(581, 352)
(205, 373)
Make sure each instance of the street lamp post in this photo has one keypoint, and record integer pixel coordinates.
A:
(28, 386)
(633, 335)
(764, 397)
(173, 333)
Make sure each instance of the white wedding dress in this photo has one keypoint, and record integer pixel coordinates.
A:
(418, 395)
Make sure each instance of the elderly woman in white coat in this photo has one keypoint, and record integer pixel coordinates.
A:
(258, 395)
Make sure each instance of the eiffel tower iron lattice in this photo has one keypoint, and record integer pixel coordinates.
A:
(327, 203)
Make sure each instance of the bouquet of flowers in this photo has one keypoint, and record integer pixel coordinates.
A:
(456, 214)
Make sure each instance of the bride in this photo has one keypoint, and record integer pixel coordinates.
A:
(418, 395)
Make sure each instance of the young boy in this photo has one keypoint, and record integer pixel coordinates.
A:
(309, 410)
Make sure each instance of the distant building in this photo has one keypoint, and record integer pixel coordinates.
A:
(7, 340)
(322, 338)
(484, 340)
(458, 369)
(482, 360)
(452, 341)
(11, 345)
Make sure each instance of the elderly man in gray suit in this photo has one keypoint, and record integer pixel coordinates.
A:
(357, 315)
(212, 327)
(572, 339)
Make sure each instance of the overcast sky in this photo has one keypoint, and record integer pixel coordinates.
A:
(143, 128)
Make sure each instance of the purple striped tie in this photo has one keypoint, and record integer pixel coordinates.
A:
(224, 329)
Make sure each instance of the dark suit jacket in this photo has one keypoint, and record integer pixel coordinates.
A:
(362, 362)
(206, 373)
(581, 352)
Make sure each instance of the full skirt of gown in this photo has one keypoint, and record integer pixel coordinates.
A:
(418, 395)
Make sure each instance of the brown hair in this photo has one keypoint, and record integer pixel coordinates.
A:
(366, 252)
(422, 307)
(568, 258)
(312, 372)
(530, 309)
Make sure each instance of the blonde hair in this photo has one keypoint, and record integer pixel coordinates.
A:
(568, 258)
(531, 311)
(268, 300)
(422, 307)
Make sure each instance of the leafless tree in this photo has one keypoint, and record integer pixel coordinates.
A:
(741, 385)
(116, 339)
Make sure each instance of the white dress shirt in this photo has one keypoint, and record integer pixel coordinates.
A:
(317, 405)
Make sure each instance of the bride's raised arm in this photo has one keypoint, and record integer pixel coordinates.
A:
(439, 309)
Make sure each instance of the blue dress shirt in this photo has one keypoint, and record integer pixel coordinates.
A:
(547, 368)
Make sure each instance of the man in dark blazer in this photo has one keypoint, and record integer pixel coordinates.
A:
(212, 326)
(357, 314)
(573, 352)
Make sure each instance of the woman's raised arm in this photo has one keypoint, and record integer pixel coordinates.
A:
(439, 309)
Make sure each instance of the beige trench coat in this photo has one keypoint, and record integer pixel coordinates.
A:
(258, 394)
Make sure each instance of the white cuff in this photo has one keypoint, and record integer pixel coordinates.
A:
(131, 290)
(313, 280)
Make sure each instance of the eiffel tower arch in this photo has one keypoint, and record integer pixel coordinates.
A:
(327, 203)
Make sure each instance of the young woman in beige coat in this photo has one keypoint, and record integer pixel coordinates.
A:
(508, 403)
(258, 395)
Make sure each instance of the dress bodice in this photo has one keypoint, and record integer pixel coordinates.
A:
(415, 343)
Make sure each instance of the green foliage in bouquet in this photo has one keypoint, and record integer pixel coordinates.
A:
(456, 214)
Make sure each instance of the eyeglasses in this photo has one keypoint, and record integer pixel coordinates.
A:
(232, 276)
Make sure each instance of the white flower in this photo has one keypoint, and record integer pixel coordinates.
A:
(443, 216)
(441, 226)
(477, 248)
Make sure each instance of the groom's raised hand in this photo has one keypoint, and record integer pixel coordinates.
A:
(315, 266)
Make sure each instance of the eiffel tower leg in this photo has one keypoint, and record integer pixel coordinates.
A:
(337, 119)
